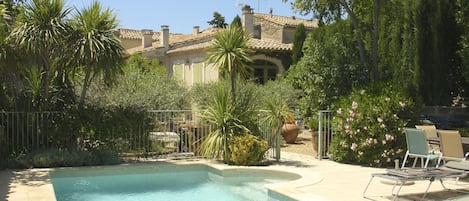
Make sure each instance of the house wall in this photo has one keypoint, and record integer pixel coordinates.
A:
(192, 69)
(269, 30)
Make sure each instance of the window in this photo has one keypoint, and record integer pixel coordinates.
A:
(264, 71)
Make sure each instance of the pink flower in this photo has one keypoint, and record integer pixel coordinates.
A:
(379, 119)
(389, 137)
(354, 146)
(354, 105)
(339, 111)
(402, 104)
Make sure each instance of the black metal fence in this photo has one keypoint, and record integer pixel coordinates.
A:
(164, 132)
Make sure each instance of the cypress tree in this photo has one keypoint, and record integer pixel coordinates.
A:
(298, 40)
(237, 21)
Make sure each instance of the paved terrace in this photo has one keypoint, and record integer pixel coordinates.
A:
(321, 180)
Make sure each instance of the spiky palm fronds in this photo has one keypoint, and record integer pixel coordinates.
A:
(96, 48)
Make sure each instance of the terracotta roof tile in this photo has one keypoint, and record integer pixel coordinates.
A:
(135, 34)
(254, 43)
(269, 45)
(286, 21)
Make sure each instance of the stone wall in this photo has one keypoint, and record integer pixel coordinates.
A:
(269, 30)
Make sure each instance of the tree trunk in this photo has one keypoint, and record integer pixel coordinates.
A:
(353, 18)
(375, 40)
(233, 84)
(86, 84)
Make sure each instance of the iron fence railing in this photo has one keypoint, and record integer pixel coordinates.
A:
(22, 131)
(273, 140)
(163, 132)
(325, 133)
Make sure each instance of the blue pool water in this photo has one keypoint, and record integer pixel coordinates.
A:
(163, 183)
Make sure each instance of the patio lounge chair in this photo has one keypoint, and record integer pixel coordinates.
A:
(400, 177)
(432, 133)
(417, 147)
(451, 145)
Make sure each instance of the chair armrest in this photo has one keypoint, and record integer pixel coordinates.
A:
(465, 156)
(432, 151)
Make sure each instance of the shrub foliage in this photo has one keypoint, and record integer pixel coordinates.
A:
(247, 150)
(369, 126)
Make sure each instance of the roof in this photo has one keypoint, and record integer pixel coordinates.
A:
(202, 40)
(175, 40)
(254, 43)
(136, 34)
(286, 21)
(265, 44)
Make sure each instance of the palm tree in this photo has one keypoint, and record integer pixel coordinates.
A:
(230, 54)
(97, 48)
(42, 32)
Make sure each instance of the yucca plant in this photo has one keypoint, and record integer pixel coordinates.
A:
(230, 54)
(97, 49)
(228, 119)
(42, 32)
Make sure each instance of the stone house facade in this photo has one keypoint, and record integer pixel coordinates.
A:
(184, 54)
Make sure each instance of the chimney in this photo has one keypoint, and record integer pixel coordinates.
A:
(196, 30)
(147, 38)
(248, 19)
(165, 36)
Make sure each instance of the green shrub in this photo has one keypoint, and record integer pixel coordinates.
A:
(247, 150)
(63, 158)
(369, 126)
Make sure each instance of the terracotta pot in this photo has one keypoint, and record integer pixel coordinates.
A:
(290, 132)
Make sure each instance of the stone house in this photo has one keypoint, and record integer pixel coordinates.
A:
(184, 54)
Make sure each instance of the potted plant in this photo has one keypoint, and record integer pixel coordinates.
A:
(290, 130)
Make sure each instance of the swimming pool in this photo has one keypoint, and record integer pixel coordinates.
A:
(165, 182)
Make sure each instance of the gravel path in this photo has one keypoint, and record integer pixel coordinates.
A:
(303, 144)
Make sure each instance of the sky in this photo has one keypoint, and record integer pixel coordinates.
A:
(182, 15)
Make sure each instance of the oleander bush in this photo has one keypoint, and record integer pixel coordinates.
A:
(369, 126)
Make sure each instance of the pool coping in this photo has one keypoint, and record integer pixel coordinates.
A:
(35, 184)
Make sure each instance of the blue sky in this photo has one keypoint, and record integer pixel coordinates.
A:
(182, 15)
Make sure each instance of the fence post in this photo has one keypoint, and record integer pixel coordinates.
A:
(320, 136)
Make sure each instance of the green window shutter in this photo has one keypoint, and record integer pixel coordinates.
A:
(178, 71)
(198, 73)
